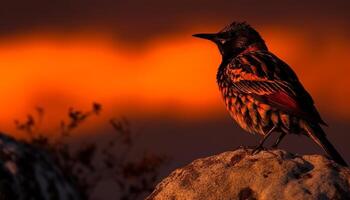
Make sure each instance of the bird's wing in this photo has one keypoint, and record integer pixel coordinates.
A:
(270, 80)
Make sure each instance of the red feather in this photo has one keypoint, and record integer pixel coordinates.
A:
(284, 100)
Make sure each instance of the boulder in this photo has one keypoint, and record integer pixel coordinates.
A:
(27, 173)
(268, 175)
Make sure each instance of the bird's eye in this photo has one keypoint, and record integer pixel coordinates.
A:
(222, 41)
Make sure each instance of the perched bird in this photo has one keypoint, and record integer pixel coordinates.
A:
(261, 92)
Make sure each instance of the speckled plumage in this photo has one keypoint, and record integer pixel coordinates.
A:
(246, 83)
(261, 92)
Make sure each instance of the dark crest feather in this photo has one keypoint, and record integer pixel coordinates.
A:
(236, 26)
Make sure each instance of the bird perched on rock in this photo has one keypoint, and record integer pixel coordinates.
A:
(261, 92)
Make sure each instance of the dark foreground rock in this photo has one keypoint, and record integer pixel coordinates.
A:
(29, 174)
(268, 175)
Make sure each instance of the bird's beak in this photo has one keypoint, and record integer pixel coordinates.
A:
(207, 36)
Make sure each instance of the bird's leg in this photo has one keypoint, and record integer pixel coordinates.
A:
(261, 143)
(279, 139)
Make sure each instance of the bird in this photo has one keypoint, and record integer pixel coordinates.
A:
(262, 93)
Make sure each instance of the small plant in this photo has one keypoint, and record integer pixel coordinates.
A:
(91, 163)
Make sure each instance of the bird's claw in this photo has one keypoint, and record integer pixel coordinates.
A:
(257, 149)
(245, 147)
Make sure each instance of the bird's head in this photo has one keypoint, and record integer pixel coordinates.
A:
(234, 39)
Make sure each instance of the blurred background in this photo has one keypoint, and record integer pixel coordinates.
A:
(139, 61)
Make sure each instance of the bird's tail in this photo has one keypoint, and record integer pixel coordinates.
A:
(316, 133)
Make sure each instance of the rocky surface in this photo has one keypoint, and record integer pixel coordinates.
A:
(268, 175)
(29, 174)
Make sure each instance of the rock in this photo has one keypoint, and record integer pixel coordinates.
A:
(29, 174)
(268, 175)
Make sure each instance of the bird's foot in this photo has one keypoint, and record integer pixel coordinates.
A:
(257, 149)
(245, 147)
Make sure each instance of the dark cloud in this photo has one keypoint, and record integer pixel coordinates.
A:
(143, 19)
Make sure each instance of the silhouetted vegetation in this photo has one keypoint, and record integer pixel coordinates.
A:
(89, 164)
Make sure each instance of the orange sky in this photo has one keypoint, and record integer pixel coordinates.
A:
(173, 75)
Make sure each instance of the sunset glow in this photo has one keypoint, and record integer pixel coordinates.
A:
(174, 75)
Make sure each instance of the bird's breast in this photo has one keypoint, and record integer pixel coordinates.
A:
(250, 114)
